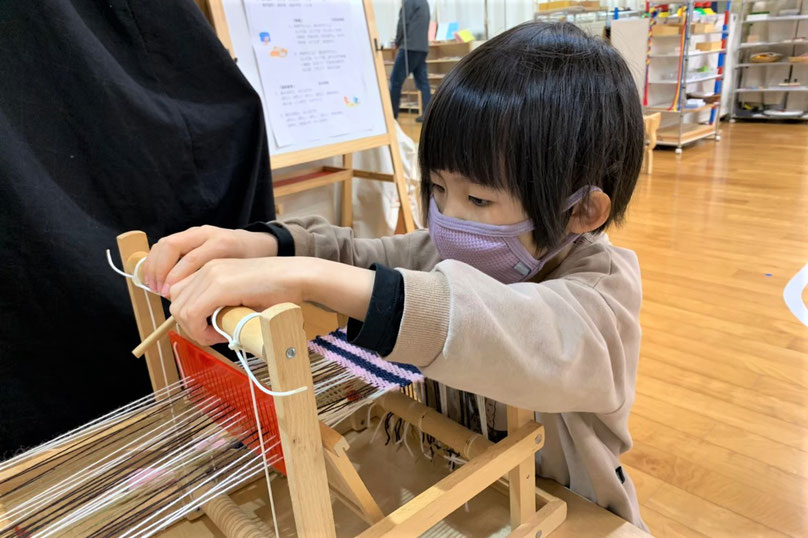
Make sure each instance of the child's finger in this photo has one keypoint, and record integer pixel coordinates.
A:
(166, 252)
(193, 261)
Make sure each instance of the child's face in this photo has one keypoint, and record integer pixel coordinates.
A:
(457, 197)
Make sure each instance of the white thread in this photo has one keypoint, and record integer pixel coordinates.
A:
(264, 457)
(135, 280)
(483, 414)
(404, 439)
(235, 345)
(372, 437)
(444, 399)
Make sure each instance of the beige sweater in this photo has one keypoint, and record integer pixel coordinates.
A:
(566, 347)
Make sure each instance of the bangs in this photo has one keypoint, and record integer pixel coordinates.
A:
(469, 124)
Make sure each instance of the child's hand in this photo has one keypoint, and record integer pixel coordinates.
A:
(176, 256)
(257, 283)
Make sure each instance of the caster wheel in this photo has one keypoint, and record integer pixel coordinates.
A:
(717, 138)
(732, 120)
(678, 151)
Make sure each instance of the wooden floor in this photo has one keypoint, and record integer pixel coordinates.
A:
(720, 423)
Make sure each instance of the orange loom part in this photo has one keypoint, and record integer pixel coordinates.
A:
(209, 376)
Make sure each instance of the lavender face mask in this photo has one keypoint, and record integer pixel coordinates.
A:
(494, 250)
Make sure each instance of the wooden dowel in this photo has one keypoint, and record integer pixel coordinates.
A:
(233, 521)
(465, 442)
(152, 339)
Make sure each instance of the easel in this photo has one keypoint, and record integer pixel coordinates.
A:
(315, 456)
(319, 176)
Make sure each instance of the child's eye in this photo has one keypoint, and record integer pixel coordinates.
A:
(479, 202)
(438, 188)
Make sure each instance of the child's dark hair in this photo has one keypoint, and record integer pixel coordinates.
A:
(541, 110)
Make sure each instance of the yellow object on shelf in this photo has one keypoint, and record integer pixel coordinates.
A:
(464, 36)
(709, 45)
(765, 58)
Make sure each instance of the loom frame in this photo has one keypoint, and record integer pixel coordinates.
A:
(315, 454)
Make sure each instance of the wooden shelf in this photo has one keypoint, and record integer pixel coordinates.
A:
(743, 115)
(774, 89)
(669, 136)
(690, 54)
(665, 110)
(770, 64)
(803, 41)
(442, 58)
(444, 61)
(778, 19)
(689, 81)
(678, 36)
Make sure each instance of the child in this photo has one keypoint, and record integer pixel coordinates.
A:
(530, 149)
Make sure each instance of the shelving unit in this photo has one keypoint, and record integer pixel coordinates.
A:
(443, 56)
(765, 89)
(591, 16)
(669, 78)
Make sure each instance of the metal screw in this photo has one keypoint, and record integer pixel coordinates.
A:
(538, 534)
(538, 439)
(290, 353)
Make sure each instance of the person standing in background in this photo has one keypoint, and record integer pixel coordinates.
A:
(412, 41)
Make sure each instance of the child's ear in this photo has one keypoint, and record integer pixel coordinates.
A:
(591, 214)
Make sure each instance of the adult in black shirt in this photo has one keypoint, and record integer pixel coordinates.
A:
(114, 115)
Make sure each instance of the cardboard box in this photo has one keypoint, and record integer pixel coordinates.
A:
(703, 28)
(709, 45)
(666, 29)
(555, 4)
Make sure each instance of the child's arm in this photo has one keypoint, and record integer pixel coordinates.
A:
(567, 344)
(316, 237)
(179, 255)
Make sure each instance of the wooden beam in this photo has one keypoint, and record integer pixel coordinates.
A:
(437, 502)
(287, 357)
(346, 217)
(323, 152)
(149, 315)
(378, 176)
(522, 478)
(392, 137)
(313, 183)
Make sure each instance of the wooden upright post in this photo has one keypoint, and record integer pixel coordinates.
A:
(522, 479)
(392, 143)
(286, 353)
(149, 315)
(346, 219)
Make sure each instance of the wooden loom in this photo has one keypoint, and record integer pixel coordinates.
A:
(316, 463)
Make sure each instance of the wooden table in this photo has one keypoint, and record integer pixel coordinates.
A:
(393, 476)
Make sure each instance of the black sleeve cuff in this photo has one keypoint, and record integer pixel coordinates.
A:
(286, 244)
(379, 332)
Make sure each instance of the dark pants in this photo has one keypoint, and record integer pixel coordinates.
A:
(416, 64)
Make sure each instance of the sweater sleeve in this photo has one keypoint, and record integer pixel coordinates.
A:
(314, 236)
(562, 345)
(400, 27)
